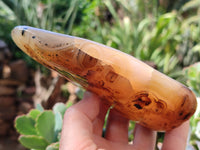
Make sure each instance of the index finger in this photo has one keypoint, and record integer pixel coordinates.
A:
(89, 105)
(77, 123)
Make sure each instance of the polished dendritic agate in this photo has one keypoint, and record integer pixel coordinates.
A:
(136, 90)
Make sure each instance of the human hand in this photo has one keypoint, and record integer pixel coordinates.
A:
(83, 124)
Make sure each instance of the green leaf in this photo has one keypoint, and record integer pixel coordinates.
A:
(34, 113)
(60, 107)
(59, 136)
(191, 5)
(33, 142)
(58, 123)
(80, 93)
(192, 73)
(69, 104)
(53, 146)
(39, 107)
(25, 125)
(59, 110)
(196, 48)
(45, 124)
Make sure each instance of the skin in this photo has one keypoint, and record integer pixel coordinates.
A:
(83, 123)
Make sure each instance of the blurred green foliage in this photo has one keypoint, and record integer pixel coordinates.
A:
(193, 77)
(164, 32)
(143, 29)
(168, 39)
(55, 15)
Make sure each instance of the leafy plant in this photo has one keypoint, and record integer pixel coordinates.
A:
(168, 40)
(192, 74)
(54, 15)
(40, 129)
(46, 14)
(156, 44)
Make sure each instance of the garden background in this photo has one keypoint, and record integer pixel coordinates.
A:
(163, 33)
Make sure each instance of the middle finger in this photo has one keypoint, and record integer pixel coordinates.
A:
(117, 128)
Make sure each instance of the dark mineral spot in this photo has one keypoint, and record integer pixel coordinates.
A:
(184, 100)
(174, 127)
(138, 106)
(33, 37)
(144, 123)
(90, 73)
(57, 45)
(142, 99)
(181, 113)
(78, 54)
(186, 116)
(23, 31)
(146, 101)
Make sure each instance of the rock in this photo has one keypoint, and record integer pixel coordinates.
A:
(7, 101)
(4, 127)
(9, 82)
(19, 70)
(7, 91)
(7, 113)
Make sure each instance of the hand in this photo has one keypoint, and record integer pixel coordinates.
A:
(83, 124)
